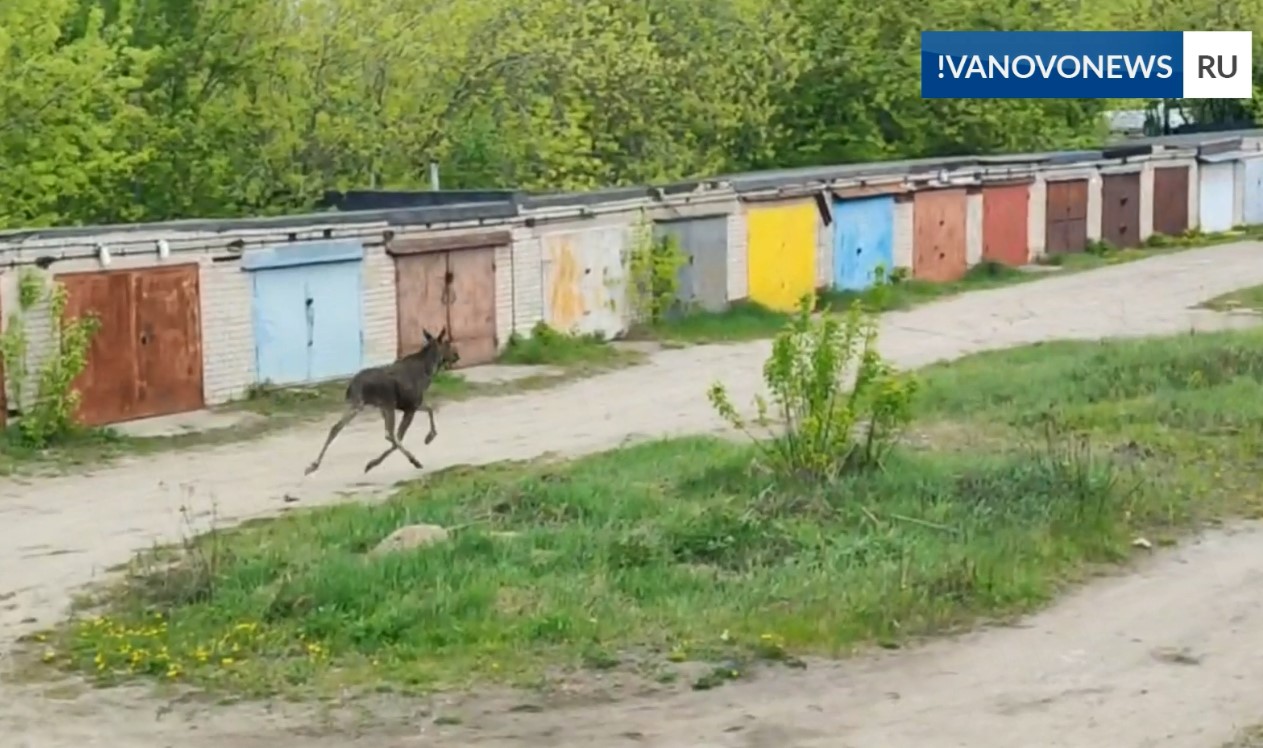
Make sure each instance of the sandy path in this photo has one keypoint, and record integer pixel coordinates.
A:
(1074, 676)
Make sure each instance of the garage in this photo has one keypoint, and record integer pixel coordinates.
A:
(307, 311)
(448, 282)
(146, 357)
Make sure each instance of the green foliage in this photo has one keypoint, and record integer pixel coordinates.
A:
(653, 267)
(120, 111)
(51, 416)
(546, 346)
(14, 342)
(827, 430)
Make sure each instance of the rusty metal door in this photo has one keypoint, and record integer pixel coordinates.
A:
(420, 286)
(168, 331)
(1120, 210)
(107, 386)
(1005, 212)
(471, 297)
(703, 280)
(1170, 200)
(1067, 216)
(584, 284)
(938, 239)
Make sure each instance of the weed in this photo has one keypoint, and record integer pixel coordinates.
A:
(827, 429)
(743, 320)
(50, 417)
(547, 346)
(653, 272)
(1250, 299)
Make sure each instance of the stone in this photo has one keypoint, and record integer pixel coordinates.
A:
(410, 537)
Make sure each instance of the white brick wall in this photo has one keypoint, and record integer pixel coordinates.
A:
(973, 228)
(824, 253)
(1094, 206)
(381, 316)
(1037, 219)
(1194, 194)
(1146, 201)
(504, 293)
(1238, 194)
(228, 362)
(528, 281)
(738, 255)
(902, 232)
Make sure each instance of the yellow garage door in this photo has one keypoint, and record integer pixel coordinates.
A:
(782, 253)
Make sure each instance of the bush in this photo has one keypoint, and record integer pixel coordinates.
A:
(827, 430)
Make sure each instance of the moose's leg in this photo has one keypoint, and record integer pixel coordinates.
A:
(433, 433)
(351, 412)
(388, 417)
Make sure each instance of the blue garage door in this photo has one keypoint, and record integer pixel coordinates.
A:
(308, 311)
(863, 230)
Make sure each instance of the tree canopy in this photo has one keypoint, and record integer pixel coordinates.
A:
(118, 110)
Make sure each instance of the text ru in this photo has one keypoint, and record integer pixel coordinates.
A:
(1207, 65)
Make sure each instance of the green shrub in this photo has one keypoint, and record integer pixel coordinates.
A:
(826, 429)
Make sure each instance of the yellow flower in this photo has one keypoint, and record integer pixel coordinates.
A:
(226, 661)
(49, 655)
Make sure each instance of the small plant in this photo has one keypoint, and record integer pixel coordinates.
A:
(547, 346)
(51, 417)
(1099, 248)
(654, 267)
(827, 430)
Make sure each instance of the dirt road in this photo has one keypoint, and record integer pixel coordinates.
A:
(1089, 672)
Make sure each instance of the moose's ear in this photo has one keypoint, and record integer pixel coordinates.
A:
(428, 337)
(445, 334)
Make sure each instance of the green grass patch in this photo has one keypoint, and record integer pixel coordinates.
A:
(743, 320)
(1247, 299)
(686, 550)
(656, 553)
(547, 347)
(904, 293)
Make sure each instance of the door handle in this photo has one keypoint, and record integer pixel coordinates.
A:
(311, 321)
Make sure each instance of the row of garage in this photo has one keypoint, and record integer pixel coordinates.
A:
(240, 304)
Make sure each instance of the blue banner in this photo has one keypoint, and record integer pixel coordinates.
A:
(1086, 64)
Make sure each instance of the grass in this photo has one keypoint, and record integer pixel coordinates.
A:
(1249, 299)
(1031, 469)
(547, 347)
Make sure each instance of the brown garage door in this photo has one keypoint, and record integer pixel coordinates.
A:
(1005, 237)
(1120, 209)
(938, 238)
(1067, 216)
(449, 282)
(1170, 200)
(146, 358)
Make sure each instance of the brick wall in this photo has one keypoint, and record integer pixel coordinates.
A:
(902, 232)
(1037, 219)
(1146, 201)
(381, 317)
(973, 228)
(228, 362)
(824, 253)
(738, 261)
(1094, 206)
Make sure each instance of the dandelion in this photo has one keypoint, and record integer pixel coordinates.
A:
(49, 655)
(226, 661)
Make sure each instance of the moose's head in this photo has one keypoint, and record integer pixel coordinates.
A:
(443, 346)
